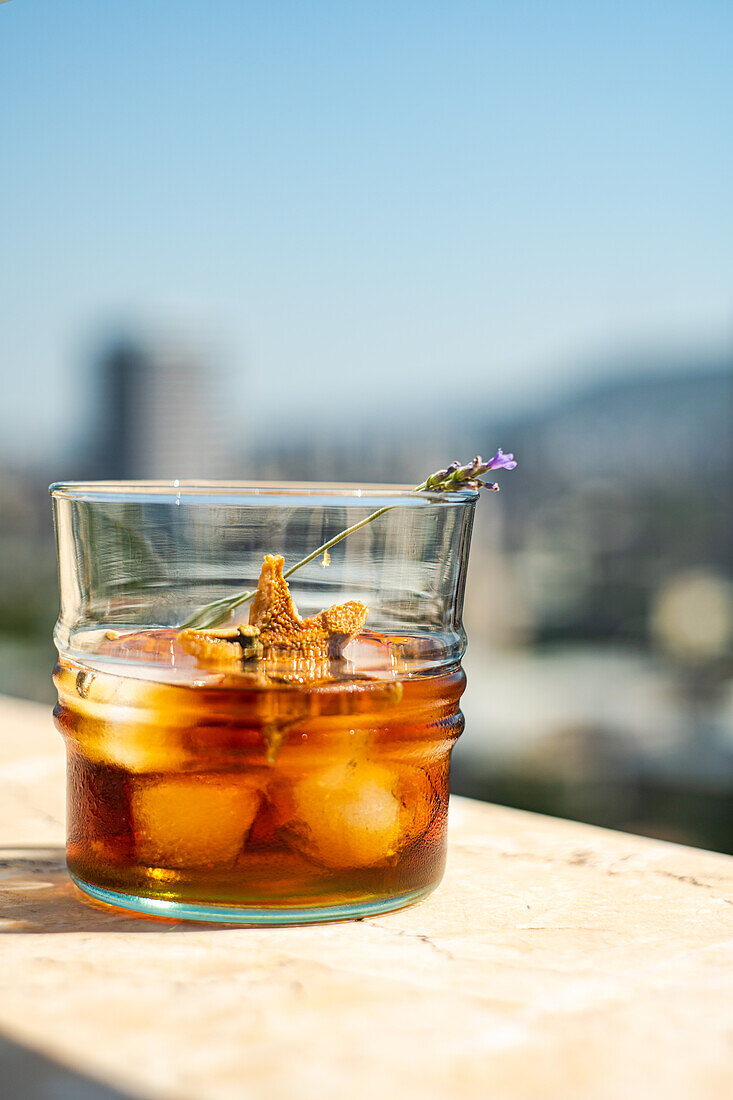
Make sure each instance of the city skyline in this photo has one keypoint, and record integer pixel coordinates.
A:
(169, 398)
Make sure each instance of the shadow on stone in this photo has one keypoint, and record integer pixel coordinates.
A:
(28, 1075)
(37, 896)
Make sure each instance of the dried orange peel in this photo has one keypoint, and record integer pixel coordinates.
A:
(293, 648)
(221, 645)
(283, 633)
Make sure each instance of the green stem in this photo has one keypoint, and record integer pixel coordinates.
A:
(215, 613)
(332, 542)
(443, 481)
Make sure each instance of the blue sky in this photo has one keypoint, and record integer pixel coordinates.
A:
(359, 200)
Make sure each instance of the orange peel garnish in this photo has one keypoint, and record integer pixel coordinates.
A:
(309, 643)
(225, 645)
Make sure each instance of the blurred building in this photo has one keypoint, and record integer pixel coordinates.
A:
(160, 412)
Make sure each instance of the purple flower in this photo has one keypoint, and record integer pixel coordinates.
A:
(500, 461)
(456, 477)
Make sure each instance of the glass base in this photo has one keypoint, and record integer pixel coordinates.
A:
(235, 914)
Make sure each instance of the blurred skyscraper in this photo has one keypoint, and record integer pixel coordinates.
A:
(160, 412)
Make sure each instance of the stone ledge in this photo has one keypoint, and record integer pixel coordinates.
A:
(556, 960)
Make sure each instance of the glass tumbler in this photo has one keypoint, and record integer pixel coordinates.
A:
(262, 788)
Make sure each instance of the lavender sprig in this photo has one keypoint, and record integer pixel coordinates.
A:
(452, 479)
(456, 477)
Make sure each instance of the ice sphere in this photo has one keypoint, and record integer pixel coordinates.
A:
(91, 690)
(370, 654)
(133, 723)
(136, 748)
(356, 814)
(196, 821)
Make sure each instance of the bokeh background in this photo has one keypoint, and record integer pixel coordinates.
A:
(354, 241)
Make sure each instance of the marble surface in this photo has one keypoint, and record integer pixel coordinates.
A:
(555, 961)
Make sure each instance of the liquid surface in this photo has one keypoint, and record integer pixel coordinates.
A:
(226, 788)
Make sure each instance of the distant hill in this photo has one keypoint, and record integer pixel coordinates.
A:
(652, 427)
(649, 427)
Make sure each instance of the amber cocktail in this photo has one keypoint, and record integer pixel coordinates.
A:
(283, 769)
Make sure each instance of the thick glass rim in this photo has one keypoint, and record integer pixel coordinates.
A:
(160, 491)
